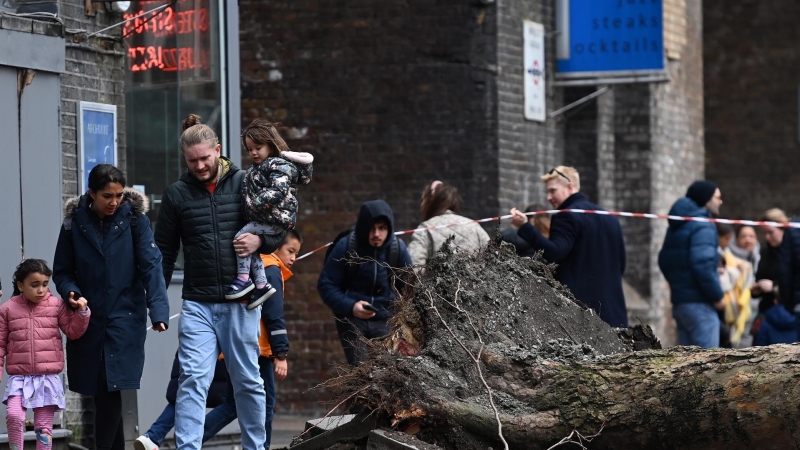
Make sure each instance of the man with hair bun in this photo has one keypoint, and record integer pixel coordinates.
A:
(588, 248)
(203, 212)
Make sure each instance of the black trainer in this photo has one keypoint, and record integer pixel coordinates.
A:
(260, 296)
(238, 289)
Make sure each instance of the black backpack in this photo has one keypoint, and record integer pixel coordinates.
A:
(392, 258)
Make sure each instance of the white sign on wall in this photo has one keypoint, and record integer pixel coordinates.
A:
(97, 139)
(534, 71)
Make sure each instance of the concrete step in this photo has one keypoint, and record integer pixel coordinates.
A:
(61, 439)
(381, 440)
(341, 429)
(315, 427)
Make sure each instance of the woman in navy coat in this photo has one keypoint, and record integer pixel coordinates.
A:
(107, 254)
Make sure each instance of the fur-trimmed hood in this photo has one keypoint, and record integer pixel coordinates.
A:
(140, 204)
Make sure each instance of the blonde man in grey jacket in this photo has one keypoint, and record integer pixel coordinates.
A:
(440, 203)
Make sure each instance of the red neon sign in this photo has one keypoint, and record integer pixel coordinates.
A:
(167, 22)
(175, 39)
(168, 59)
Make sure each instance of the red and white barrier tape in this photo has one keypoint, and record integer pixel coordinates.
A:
(754, 223)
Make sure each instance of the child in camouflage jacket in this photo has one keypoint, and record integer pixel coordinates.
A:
(269, 192)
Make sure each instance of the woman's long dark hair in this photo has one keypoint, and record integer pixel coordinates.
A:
(438, 198)
(102, 174)
(28, 267)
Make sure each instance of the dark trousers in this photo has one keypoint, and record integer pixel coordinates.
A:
(107, 415)
(350, 331)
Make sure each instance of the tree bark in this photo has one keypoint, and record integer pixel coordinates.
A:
(680, 398)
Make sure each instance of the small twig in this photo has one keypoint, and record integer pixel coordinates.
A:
(475, 359)
(579, 438)
(332, 410)
(477, 364)
(355, 259)
(565, 331)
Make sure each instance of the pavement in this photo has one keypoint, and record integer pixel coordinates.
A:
(285, 427)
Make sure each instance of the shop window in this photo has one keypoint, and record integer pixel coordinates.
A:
(173, 69)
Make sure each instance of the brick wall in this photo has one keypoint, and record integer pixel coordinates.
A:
(606, 160)
(678, 137)
(526, 149)
(581, 145)
(389, 96)
(751, 75)
(632, 177)
(94, 72)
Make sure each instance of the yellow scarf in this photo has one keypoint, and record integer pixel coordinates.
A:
(737, 300)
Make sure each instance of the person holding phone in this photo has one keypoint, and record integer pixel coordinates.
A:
(361, 294)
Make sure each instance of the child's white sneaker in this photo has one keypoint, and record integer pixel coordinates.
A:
(144, 443)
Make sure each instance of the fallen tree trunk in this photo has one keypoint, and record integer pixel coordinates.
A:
(682, 398)
(491, 344)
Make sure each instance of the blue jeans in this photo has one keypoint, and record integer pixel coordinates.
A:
(698, 324)
(159, 429)
(205, 330)
(225, 413)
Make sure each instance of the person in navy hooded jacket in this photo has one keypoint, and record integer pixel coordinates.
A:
(778, 326)
(361, 295)
(689, 261)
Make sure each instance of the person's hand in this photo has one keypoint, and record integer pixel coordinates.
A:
(360, 312)
(281, 369)
(518, 218)
(741, 266)
(765, 285)
(720, 305)
(160, 326)
(80, 304)
(246, 244)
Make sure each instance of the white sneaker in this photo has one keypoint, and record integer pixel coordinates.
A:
(144, 443)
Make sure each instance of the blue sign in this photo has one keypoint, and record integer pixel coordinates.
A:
(605, 36)
(98, 139)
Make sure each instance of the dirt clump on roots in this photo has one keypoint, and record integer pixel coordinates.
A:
(462, 308)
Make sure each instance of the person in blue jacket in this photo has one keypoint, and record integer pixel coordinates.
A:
(778, 326)
(106, 253)
(689, 261)
(789, 271)
(588, 248)
(361, 297)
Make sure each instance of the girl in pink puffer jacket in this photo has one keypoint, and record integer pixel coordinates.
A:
(30, 345)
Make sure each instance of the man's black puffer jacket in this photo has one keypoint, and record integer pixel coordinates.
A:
(206, 224)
